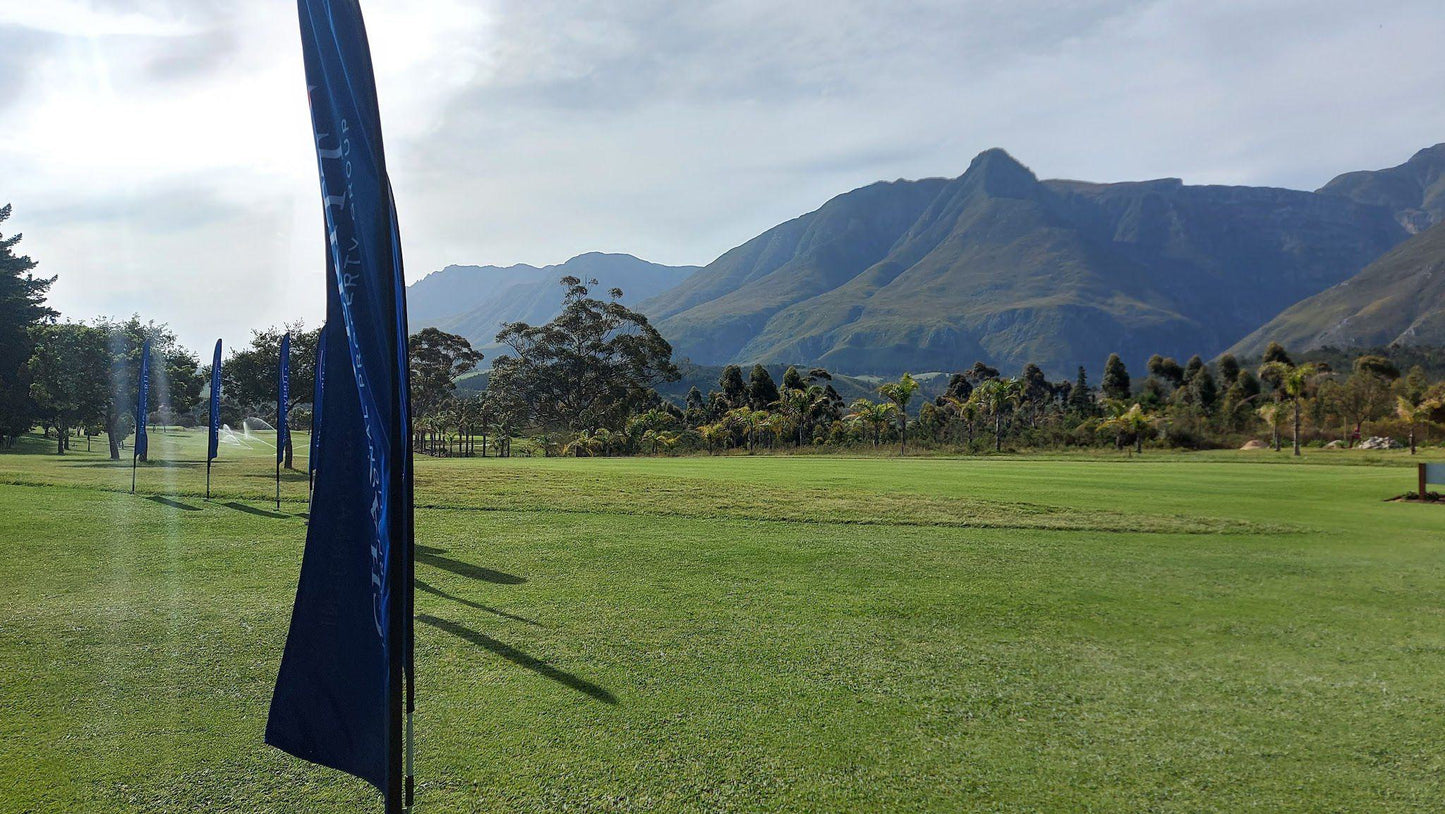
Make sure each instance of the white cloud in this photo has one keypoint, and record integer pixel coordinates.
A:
(157, 151)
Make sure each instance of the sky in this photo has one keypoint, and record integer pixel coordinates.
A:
(159, 159)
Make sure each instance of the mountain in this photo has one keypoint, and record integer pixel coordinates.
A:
(475, 301)
(1000, 266)
(1398, 299)
(1414, 191)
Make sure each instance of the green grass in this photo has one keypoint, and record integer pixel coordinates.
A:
(1164, 633)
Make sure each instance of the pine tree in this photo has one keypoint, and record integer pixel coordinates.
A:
(1116, 378)
(22, 306)
(762, 390)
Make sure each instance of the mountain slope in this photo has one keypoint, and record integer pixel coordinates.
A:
(475, 301)
(1000, 266)
(1399, 298)
(1415, 190)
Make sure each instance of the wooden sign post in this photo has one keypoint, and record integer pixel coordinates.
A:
(1430, 473)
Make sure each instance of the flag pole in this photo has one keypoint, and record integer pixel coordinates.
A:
(208, 479)
(278, 486)
(133, 456)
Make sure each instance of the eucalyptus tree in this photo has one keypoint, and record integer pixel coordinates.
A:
(592, 366)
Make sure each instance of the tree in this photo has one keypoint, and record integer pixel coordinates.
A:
(22, 307)
(1193, 368)
(1228, 370)
(591, 366)
(1133, 421)
(1275, 353)
(437, 360)
(900, 393)
(795, 405)
(1081, 396)
(1415, 413)
(873, 415)
(249, 373)
(68, 376)
(1294, 382)
(1115, 384)
(734, 389)
(175, 374)
(1273, 413)
(980, 372)
(995, 398)
(1166, 369)
(1204, 391)
(762, 392)
(792, 379)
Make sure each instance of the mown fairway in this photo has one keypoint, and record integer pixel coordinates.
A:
(1168, 633)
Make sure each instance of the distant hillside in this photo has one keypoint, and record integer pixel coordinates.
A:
(1414, 191)
(475, 301)
(1000, 266)
(1398, 299)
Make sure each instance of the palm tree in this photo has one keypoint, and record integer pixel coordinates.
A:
(749, 420)
(1294, 382)
(715, 435)
(900, 393)
(1414, 413)
(996, 397)
(1133, 421)
(1272, 413)
(795, 406)
(871, 414)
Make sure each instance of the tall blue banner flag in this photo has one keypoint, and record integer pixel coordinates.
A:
(343, 694)
(283, 398)
(213, 447)
(142, 402)
(317, 400)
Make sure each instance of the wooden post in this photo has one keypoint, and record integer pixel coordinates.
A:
(1423, 484)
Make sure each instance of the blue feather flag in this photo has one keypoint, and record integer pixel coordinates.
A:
(142, 403)
(344, 694)
(213, 443)
(283, 397)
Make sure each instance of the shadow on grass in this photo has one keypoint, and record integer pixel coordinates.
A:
(124, 463)
(469, 603)
(432, 556)
(241, 507)
(521, 659)
(174, 504)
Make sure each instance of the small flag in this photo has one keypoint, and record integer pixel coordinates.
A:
(344, 692)
(213, 447)
(283, 397)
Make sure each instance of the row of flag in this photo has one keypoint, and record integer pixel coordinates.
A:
(213, 442)
(345, 690)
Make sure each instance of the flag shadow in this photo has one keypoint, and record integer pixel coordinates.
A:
(469, 603)
(241, 507)
(521, 659)
(432, 556)
(174, 504)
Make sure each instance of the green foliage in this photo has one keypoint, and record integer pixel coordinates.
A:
(1115, 384)
(22, 307)
(69, 370)
(592, 366)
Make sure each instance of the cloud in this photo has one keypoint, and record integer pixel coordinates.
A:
(158, 151)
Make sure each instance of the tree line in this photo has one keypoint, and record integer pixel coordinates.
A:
(586, 382)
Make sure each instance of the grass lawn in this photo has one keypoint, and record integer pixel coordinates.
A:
(1163, 633)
